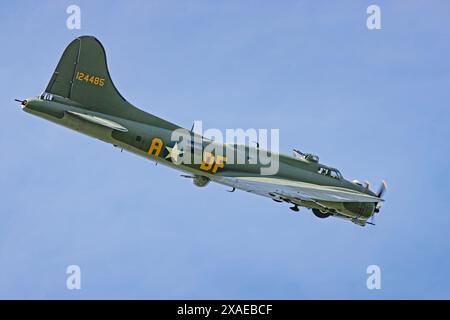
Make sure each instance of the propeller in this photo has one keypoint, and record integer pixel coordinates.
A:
(382, 189)
(380, 193)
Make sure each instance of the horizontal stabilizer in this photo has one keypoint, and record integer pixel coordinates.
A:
(101, 121)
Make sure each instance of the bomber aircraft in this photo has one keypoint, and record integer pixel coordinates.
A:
(82, 97)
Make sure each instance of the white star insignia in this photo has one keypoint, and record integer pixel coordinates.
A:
(174, 154)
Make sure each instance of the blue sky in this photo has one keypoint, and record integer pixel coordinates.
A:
(374, 104)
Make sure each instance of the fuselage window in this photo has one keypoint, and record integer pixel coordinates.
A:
(46, 96)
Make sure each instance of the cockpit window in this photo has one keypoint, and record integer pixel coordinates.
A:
(333, 173)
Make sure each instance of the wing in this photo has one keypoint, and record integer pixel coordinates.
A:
(295, 189)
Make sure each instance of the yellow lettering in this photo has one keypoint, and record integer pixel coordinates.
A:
(219, 163)
(208, 161)
(96, 81)
(155, 147)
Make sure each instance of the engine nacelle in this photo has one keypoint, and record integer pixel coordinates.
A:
(361, 209)
(200, 181)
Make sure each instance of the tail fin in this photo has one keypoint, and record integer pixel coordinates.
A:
(82, 76)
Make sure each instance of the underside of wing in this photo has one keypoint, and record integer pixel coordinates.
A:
(296, 189)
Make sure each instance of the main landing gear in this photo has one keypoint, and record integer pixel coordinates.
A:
(321, 214)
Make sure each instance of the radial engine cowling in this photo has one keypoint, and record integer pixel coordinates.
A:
(361, 209)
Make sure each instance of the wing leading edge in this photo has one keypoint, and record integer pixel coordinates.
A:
(296, 189)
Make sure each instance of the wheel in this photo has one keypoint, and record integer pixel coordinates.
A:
(320, 214)
(294, 208)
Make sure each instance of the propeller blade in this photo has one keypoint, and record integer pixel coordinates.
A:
(382, 189)
(380, 193)
(372, 219)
